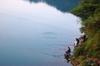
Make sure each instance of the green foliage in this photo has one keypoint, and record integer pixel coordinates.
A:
(79, 51)
(92, 53)
(89, 11)
(87, 8)
(88, 44)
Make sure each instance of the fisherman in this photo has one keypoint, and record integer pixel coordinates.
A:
(77, 42)
(84, 37)
(67, 54)
(68, 51)
(67, 57)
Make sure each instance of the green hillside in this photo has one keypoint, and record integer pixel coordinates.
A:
(88, 53)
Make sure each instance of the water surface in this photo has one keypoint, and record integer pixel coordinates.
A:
(35, 34)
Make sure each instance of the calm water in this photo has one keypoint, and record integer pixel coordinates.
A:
(35, 34)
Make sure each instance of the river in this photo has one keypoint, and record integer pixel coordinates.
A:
(35, 33)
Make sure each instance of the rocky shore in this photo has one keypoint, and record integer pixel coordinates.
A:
(88, 52)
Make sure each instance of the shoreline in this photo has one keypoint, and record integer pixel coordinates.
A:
(88, 53)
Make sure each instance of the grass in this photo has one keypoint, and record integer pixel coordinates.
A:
(89, 11)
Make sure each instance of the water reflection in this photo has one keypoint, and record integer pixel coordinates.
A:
(62, 5)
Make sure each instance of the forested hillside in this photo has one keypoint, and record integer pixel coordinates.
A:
(88, 53)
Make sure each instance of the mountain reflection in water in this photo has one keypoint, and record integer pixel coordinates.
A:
(62, 5)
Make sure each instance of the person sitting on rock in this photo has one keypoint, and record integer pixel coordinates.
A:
(83, 38)
(67, 57)
(77, 42)
(69, 50)
(67, 54)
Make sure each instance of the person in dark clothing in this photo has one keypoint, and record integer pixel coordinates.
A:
(68, 51)
(67, 57)
(67, 54)
(84, 38)
(77, 41)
